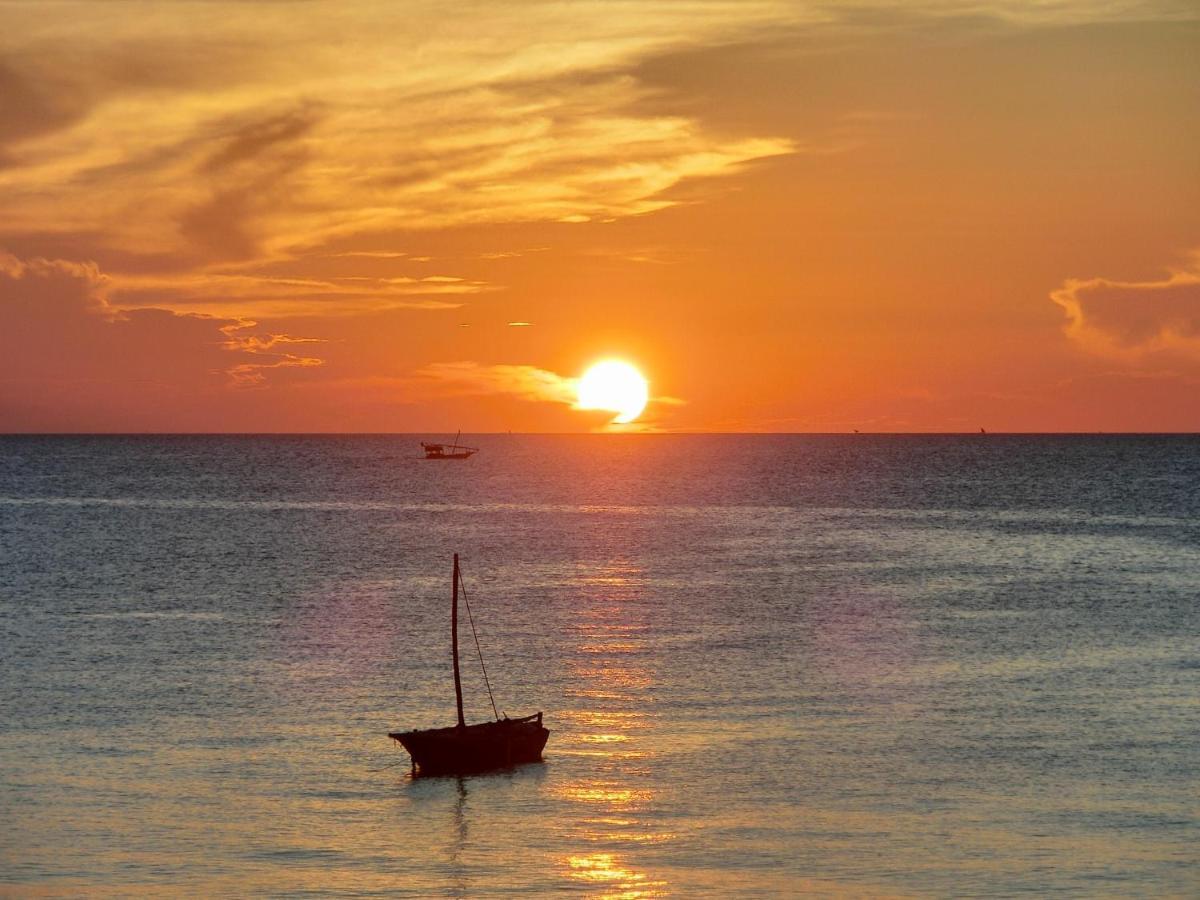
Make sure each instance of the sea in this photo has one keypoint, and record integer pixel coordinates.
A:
(771, 666)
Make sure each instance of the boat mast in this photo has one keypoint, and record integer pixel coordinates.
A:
(454, 645)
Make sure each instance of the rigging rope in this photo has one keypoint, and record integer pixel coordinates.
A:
(474, 634)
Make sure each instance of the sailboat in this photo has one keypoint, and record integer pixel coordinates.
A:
(448, 451)
(464, 749)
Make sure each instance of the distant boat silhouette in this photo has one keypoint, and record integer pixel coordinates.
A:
(982, 431)
(448, 451)
(463, 749)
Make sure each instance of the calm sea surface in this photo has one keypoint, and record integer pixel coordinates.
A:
(770, 665)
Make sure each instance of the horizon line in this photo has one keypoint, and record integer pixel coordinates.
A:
(859, 433)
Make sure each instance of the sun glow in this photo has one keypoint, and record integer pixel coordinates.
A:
(614, 385)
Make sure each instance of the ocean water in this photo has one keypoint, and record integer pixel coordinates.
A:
(771, 665)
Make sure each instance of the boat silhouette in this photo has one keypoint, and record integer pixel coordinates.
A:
(448, 451)
(464, 749)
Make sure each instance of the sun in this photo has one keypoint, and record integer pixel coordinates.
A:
(614, 384)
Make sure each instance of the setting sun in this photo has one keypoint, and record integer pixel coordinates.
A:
(614, 385)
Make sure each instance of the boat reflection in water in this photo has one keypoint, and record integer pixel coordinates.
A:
(612, 788)
(458, 843)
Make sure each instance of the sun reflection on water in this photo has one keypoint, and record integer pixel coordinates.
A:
(606, 793)
(615, 881)
(627, 719)
(604, 738)
(607, 731)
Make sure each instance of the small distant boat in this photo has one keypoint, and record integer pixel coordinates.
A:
(464, 749)
(448, 451)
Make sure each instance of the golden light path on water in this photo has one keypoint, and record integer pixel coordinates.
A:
(610, 727)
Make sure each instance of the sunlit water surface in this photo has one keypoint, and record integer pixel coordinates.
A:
(771, 665)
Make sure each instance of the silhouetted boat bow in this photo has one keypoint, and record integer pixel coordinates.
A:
(464, 749)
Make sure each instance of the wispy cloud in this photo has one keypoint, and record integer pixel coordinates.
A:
(511, 254)
(268, 145)
(525, 382)
(241, 338)
(229, 130)
(367, 254)
(235, 295)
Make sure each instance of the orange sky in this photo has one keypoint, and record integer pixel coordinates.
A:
(323, 216)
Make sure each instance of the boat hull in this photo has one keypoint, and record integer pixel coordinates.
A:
(475, 748)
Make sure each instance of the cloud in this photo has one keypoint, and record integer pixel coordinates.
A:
(29, 108)
(254, 374)
(226, 130)
(524, 382)
(232, 130)
(512, 254)
(258, 136)
(253, 295)
(1132, 320)
(65, 348)
(252, 175)
(368, 254)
